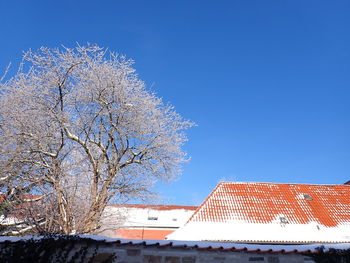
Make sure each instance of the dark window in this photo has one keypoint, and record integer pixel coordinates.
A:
(172, 260)
(256, 259)
(283, 220)
(307, 197)
(133, 252)
(151, 259)
(273, 260)
(188, 260)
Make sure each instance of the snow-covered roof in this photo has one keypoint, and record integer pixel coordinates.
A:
(209, 246)
(271, 212)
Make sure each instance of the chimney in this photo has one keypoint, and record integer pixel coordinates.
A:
(348, 182)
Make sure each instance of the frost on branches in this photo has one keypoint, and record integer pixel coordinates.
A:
(80, 129)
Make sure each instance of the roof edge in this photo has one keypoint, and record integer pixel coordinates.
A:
(205, 200)
(284, 183)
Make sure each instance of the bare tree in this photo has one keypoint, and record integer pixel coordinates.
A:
(78, 127)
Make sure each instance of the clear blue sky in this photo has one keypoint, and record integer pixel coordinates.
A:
(267, 82)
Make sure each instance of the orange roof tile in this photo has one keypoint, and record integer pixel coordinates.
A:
(328, 205)
(132, 233)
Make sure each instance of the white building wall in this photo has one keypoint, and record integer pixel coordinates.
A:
(116, 218)
(148, 217)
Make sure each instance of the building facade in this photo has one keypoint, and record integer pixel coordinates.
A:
(144, 221)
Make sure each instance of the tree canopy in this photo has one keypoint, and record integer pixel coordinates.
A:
(79, 128)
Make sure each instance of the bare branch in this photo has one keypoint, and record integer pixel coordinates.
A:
(80, 128)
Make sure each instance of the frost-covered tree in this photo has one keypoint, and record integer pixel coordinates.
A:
(78, 127)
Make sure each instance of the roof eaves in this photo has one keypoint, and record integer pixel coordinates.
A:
(201, 245)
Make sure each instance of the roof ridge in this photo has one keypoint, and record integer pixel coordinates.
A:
(153, 206)
(282, 183)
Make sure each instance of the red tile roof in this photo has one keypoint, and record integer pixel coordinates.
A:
(328, 205)
(155, 207)
(130, 233)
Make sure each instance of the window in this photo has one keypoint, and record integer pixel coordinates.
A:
(152, 218)
(256, 259)
(283, 220)
(307, 197)
(273, 260)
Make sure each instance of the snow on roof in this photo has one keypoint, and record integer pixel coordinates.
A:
(328, 205)
(209, 246)
(271, 212)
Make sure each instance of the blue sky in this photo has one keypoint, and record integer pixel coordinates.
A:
(267, 82)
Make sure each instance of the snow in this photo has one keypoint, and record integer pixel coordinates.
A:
(241, 231)
(200, 244)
